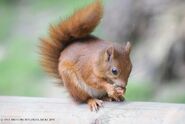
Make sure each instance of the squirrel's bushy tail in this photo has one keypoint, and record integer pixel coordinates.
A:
(79, 25)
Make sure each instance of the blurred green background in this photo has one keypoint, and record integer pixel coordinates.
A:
(22, 23)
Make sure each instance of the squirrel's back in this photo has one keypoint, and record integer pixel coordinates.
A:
(87, 48)
(74, 28)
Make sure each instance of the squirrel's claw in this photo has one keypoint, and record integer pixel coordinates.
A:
(95, 104)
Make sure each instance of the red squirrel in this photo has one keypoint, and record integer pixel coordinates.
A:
(91, 69)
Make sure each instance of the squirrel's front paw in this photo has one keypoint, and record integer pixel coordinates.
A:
(116, 94)
(95, 104)
(121, 92)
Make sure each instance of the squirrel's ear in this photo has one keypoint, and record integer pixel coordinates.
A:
(109, 53)
(128, 47)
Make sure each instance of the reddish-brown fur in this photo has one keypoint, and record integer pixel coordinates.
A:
(77, 26)
(83, 62)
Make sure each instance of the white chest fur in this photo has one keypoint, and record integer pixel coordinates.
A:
(91, 91)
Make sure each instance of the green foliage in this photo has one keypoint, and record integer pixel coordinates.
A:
(139, 91)
(19, 69)
(7, 14)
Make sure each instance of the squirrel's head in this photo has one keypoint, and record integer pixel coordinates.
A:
(115, 65)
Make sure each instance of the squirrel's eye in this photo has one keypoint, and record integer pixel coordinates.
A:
(114, 71)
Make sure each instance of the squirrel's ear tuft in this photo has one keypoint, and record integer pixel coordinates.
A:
(109, 53)
(128, 47)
